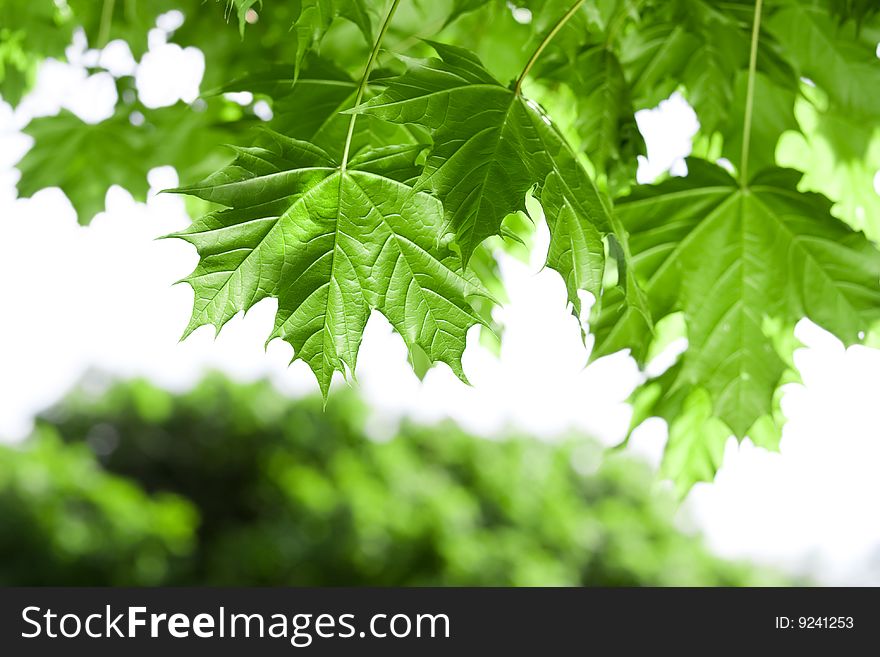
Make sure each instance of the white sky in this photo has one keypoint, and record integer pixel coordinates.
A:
(101, 297)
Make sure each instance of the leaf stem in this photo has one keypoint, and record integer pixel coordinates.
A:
(363, 84)
(106, 22)
(547, 39)
(750, 97)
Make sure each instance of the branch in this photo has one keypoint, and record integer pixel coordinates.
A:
(363, 84)
(106, 21)
(750, 98)
(547, 39)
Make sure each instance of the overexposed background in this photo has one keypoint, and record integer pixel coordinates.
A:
(101, 297)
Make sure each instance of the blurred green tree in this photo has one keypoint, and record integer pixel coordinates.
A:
(238, 485)
(65, 521)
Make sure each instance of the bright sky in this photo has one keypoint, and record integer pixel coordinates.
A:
(101, 297)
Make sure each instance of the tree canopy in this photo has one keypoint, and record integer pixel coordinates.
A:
(406, 137)
(232, 484)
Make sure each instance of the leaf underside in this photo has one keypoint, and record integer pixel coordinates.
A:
(491, 147)
(741, 264)
(330, 245)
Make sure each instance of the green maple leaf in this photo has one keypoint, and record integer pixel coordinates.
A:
(721, 50)
(605, 120)
(705, 48)
(838, 58)
(652, 58)
(695, 444)
(316, 16)
(585, 24)
(491, 146)
(129, 21)
(837, 147)
(696, 437)
(740, 262)
(30, 30)
(311, 106)
(840, 157)
(331, 243)
(771, 118)
(302, 105)
(312, 20)
(94, 157)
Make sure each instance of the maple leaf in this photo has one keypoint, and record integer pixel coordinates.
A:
(311, 106)
(118, 152)
(311, 21)
(331, 243)
(83, 147)
(696, 437)
(316, 16)
(840, 156)
(740, 262)
(31, 31)
(491, 146)
(838, 58)
(605, 120)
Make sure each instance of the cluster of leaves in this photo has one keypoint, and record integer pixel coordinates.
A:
(67, 521)
(394, 169)
(237, 485)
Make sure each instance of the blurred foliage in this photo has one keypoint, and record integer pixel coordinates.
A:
(67, 521)
(29, 32)
(192, 137)
(238, 485)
